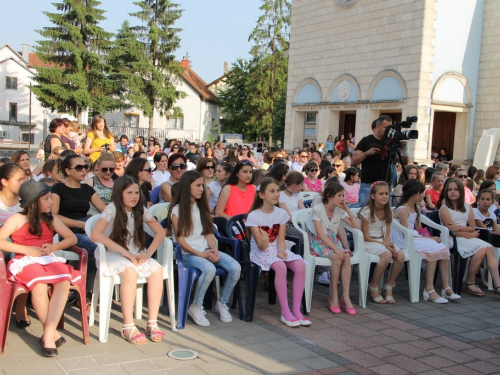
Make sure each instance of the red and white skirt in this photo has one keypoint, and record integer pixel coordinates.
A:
(52, 273)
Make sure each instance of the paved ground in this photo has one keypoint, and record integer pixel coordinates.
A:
(421, 338)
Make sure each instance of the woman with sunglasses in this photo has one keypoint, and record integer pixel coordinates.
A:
(246, 154)
(329, 144)
(177, 165)
(71, 203)
(312, 182)
(160, 174)
(462, 175)
(141, 170)
(206, 166)
(174, 149)
(103, 182)
(339, 168)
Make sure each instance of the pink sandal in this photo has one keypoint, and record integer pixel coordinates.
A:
(133, 339)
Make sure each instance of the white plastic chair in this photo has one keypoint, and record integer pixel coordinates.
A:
(103, 286)
(411, 256)
(299, 219)
(159, 210)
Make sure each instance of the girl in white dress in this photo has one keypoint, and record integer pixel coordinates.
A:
(267, 226)
(120, 229)
(457, 215)
(431, 248)
(376, 218)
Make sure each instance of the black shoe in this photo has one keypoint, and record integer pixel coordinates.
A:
(72, 297)
(59, 342)
(21, 324)
(48, 352)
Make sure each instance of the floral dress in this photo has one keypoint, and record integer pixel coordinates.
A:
(271, 224)
(330, 226)
(117, 263)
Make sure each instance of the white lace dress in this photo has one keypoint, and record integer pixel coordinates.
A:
(118, 263)
(467, 247)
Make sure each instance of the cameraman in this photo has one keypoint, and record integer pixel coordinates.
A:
(372, 151)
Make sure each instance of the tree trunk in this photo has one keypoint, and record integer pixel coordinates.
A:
(151, 121)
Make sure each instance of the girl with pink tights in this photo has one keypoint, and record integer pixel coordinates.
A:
(267, 226)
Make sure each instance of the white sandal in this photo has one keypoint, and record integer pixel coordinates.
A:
(152, 333)
(452, 296)
(132, 339)
(379, 299)
(389, 299)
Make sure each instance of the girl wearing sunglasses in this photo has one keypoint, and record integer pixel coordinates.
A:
(71, 203)
(312, 182)
(103, 182)
(174, 150)
(246, 154)
(140, 169)
(177, 165)
(206, 166)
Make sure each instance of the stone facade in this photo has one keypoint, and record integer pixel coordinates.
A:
(400, 57)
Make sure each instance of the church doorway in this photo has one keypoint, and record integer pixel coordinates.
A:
(443, 132)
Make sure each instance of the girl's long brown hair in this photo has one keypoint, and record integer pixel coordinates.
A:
(105, 131)
(120, 233)
(461, 200)
(371, 204)
(182, 197)
(35, 218)
(16, 156)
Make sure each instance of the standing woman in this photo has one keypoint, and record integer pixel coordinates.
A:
(206, 167)
(71, 202)
(140, 169)
(160, 174)
(99, 139)
(22, 158)
(246, 154)
(103, 182)
(340, 144)
(177, 165)
(329, 144)
(219, 151)
(53, 140)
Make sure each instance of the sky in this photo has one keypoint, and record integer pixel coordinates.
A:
(214, 31)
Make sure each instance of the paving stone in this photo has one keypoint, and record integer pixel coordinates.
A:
(333, 370)
(46, 367)
(437, 361)
(361, 358)
(483, 367)
(453, 328)
(78, 363)
(434, 372)
(318, 363)
(460, 370)
(424, 344)
(388, 369)
(408, 363)
(294, 367)
(452, 355)
(478, 335)
(170, 363)
(292, 354)
(107, 359)
(359, 369)
(379, 351)
(451, 343)
(408, 350)
(191, 370)
(480, 353)
(139, 367)
(102, 370)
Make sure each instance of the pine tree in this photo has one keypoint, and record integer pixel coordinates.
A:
(269, 78)
(76, 47)
(155, 69)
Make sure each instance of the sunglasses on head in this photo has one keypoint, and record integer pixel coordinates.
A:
(246, 162)
(149, 170)
(174, 167)
(80, 167)
(207, 167)
(106, 170)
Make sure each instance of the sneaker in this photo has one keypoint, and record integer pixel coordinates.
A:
(223, 311)
(198, 315)
(324, 278)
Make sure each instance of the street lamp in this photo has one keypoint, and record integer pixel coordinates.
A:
(45, 116)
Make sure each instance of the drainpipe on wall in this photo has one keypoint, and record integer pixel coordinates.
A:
(201, 118)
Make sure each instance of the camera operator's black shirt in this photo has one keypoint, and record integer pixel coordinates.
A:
(373, 167)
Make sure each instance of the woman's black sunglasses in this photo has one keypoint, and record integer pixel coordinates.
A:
(80, 167)
(174, 167)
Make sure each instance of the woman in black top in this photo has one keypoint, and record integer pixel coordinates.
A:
(53, 140)
(71, 202)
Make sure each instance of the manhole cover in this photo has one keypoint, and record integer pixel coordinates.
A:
(182, 354)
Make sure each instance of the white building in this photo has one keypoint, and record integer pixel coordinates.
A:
(352, 60)
(200, 108)
(17, 101)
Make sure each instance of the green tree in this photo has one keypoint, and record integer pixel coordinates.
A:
(151, 71)
(77, 48)
(270, 73)
(235, 101)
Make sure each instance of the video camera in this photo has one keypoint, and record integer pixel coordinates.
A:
(394, 133)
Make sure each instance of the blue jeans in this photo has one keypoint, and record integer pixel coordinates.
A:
(207, 269)
(84, 242)
(364, 194)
